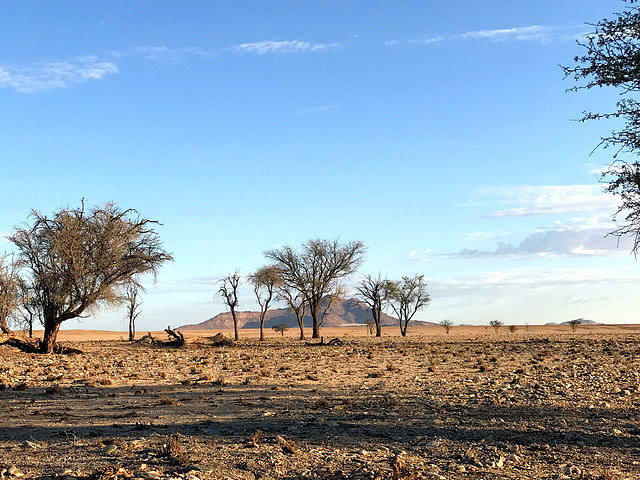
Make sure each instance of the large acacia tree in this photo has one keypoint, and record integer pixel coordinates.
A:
(315, 271)
(612, 59)
(79, 261)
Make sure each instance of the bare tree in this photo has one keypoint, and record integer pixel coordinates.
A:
(79, 261)
(296, 302)
(370, 324)
(133, 308)
(407, 297)
(447, 324)
(281, 327)
(574, 324)
(265, 281)
(228, 292)
(375, 292)
(29, 311)
(496, 324)
(10, 289)
(315, 271)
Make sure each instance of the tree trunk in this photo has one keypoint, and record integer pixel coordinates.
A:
(403, 328)
(301, 325)
(235, 323)
(51, 327)
(262, 329)
(4, 327)
(132, 329)
(377, 318)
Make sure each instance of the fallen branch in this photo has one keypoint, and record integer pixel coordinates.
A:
(178, 337)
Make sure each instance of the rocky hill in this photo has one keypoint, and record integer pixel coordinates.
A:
(582, 321)
(341, 313)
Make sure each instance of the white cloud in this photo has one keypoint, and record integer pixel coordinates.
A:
(553, 199)
(290, 46)
(532, 33)
(167, 55)
(532, 279)
(577, 237)
(43, 76)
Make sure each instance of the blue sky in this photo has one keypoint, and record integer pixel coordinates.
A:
(437, 133)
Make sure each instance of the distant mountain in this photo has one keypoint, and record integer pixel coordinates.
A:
(341, 313)
(581, 320)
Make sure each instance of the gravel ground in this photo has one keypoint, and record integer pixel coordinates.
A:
(508, 406)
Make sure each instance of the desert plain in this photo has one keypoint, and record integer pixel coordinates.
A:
(540, 402)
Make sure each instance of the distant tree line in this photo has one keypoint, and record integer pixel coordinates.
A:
(311, 279)
(79, 260)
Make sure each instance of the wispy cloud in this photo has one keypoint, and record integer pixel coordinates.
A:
(314, 110)
(168, 55)
(49, 75)
(552, 199)
(289, 46)
(532, 33)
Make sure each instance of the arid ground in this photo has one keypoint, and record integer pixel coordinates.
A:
(537, 403)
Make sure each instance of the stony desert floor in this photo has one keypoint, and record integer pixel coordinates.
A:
(534, 404)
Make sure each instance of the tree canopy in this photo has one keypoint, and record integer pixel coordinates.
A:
(315, 271)
(79, 261)
(612, 59)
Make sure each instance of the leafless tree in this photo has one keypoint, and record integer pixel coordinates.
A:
(375, 292)
(133, 308)
(574, 324)
(29, 311)
(281, 327)
(10, 289)
(370, 324)
(296, 302)
(79, 261)
(265, 282)
(228, 292)
(496, 324)
(407, 297)
(315, 271)
(447, 324)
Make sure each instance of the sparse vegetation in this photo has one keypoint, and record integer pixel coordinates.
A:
(228, 293)
(369, 383)
(77, 260)
(266, 280)
(314, 272)
(280, 328)
(447, 324)
(406, 297)
(496, 324)
(574, 324)
(375, 292)
(10, 289)
(370, 325)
